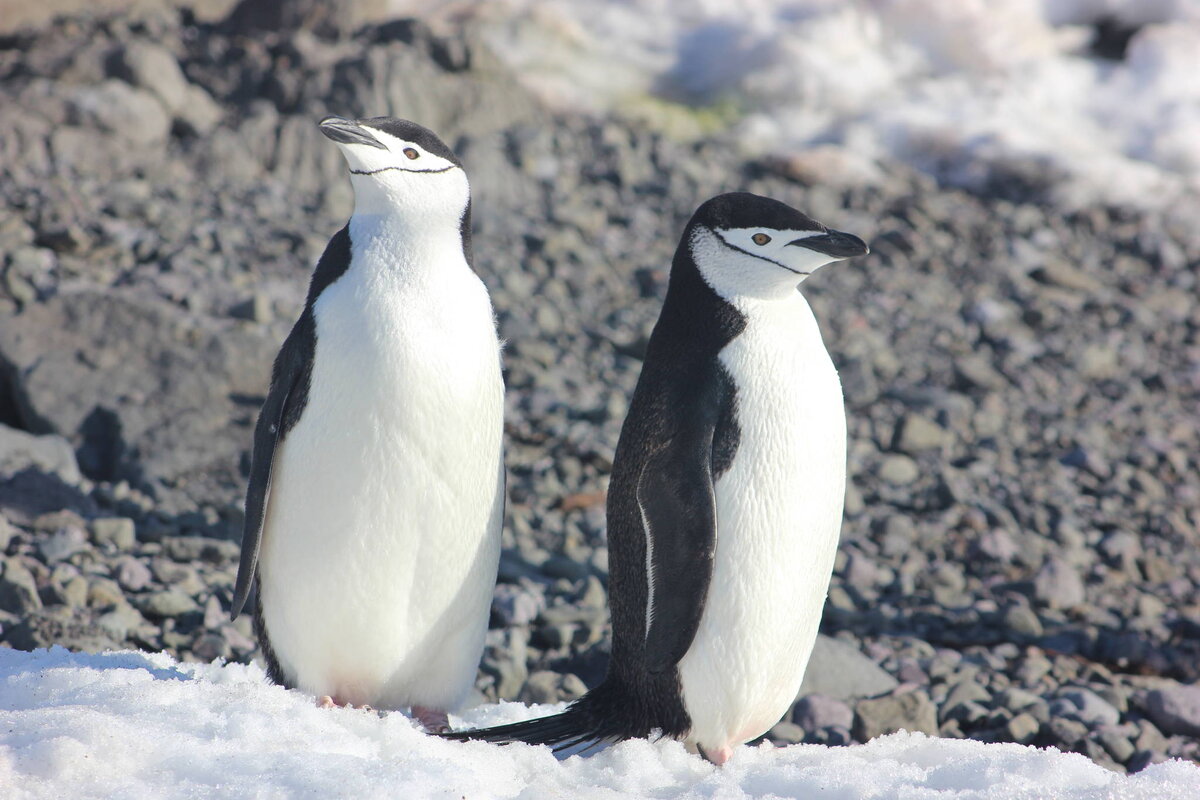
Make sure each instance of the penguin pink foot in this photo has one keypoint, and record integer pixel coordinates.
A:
(432, 720)
(325, 701)
(718, 756)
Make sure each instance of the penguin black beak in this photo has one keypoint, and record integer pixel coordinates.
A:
(835, 244)
(347, 131)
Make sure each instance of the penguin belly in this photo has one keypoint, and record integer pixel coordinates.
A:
(383, 533)
(778, 512)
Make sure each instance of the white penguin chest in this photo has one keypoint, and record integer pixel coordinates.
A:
(382, 535)
(779, 508)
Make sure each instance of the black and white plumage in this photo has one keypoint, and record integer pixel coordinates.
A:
(725, 500)
(376, 487)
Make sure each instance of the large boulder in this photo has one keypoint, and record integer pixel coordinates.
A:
(142, 390)
(839, 670)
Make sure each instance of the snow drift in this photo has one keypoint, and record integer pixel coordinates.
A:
(1099, 99)
(139, 725)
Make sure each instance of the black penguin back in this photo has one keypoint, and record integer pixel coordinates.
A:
(681, 368)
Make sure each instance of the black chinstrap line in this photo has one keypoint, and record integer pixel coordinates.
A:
(764, 258)
(400, 169)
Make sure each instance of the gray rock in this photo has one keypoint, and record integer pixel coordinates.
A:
(62, 543)
(839, 671)
(155, 396)
(170, 603)
(1122, 549)
(193, 549)
(911, 711)
(517, 605)
(1016, 699)
(504, 659)
(545, 686)
(74, 592)
(898, 532)
(966, 691)
(1149, 737)
(116, 532)
(1086, 706)
(786, 733)
(200, 114)
(7, 533)
(1033, 668)
(915, 433)
(1068, 733)
(1117, 745)
(104, 593)
(50, 453)
(998, 544)
(1062, 273)
(1144, 758)
(1058, 585)
(566, 614)
(1021, 619)
(215, 614)
(209, 646)
(561, 566)
(977, 373)
(815, 711)
(18, 589)
(182, 578)
(1175, 709)
(152, 67)
(899, 470)
(1022, 729)
(132, 574)
(118, 108)
(256, 308)
(969, 715)
(120, 621)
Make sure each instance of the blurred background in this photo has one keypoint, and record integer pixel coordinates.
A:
(1020, 353)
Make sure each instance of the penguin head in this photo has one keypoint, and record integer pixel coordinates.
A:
(745, 245)
(399, 166)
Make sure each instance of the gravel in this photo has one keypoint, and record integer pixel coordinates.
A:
(1018, 561)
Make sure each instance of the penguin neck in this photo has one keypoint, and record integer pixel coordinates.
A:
(396, 244)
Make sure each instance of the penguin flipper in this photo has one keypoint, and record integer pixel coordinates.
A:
(677, 500)
(280, 410)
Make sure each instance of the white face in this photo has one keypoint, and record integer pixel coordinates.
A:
(391, 175)
(396, 155)
(765, 263)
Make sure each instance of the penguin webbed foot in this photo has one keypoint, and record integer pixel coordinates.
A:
(325, 701)
(432, 720)
(716, 756)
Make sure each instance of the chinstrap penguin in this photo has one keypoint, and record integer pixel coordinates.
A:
(376, 488)
(725, 500)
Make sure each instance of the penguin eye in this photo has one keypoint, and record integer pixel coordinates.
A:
(760, 238)
(411, 153)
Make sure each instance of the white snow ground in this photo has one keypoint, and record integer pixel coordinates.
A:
(138, 725)
(948, 86)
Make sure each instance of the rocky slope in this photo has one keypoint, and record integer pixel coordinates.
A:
(1019, 559)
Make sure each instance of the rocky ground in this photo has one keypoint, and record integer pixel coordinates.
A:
(1019, 559)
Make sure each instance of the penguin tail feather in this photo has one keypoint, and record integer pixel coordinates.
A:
(561, 732)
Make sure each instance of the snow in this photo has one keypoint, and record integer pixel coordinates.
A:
(140, 725)
(948, 87)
